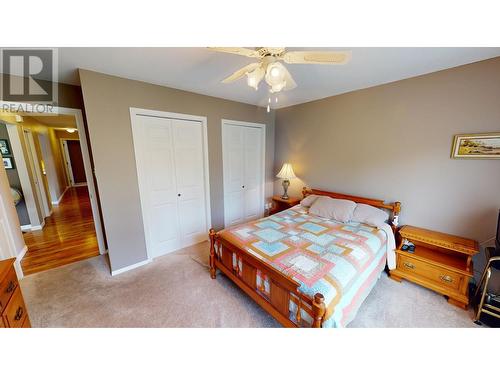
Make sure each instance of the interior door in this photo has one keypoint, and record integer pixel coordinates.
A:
(190, 178)
(76, 161)
(156, 168)
(234, 183)
(253, 173)
(34, 166)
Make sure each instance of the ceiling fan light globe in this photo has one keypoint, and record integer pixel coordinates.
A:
(254, 78)
(251, 81)
(275, 74)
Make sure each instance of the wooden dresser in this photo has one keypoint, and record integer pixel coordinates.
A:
(441, 262)
(13, 313)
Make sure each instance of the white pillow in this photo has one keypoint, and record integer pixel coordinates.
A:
(309, 200)
(364, 213)
(330, 208)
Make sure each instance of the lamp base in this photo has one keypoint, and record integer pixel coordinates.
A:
(286, 184)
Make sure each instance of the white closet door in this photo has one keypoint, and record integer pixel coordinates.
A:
(160, 198)
(233, 160)
(242, 149)
(253, 173)
(188, 150)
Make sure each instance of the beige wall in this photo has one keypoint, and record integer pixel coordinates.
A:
(394, 141)
(107, 102)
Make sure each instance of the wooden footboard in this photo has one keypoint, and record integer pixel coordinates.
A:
(272, 290)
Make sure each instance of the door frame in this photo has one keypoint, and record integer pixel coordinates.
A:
(134, 114)
(34, 163)
(262, 127)
(36, 219)
(67, 160)
(89, 173)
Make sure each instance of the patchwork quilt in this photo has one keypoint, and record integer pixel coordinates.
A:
(341, 261)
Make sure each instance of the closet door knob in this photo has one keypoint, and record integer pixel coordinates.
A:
(179, 194)
(243, 187)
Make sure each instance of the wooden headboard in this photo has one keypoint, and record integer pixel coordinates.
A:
(395, 207)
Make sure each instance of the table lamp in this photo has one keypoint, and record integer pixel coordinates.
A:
(286, 173)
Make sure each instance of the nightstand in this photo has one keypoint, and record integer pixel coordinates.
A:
(280, 204)
(441, 262)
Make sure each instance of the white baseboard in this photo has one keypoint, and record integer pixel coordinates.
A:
(31, 228)
(38, 227)
(131, 267)
(21, 255)
(17, 263)
(19, 270)
(55, 203)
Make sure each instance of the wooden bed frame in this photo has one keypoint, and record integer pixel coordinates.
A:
(282, 288)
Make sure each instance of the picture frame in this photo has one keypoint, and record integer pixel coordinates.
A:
(476, 146)
(8, 163)
(4, 147)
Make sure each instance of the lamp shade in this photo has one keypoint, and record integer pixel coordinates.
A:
(286, 172)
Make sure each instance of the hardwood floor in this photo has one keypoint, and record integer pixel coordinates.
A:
(68, 235)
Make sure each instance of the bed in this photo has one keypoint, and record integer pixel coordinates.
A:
(306, 270)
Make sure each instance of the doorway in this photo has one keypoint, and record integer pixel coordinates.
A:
(73, 162)
(67, 204)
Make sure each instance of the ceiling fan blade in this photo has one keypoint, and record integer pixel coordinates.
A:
(317, 57)
(241, 72)
(237, 51)
(290, 83)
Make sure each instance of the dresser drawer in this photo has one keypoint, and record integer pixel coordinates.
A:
(16, 313)
(7, 287)
(27, 323)
(437, 275)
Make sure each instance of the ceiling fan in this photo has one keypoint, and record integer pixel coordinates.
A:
(272, 70)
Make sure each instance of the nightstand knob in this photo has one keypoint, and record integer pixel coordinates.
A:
(446, 278)
(409, 265)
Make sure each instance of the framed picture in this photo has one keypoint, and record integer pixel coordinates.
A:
(4, 147)
(7, 163)
(476, 146)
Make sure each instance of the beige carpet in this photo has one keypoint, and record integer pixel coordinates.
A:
(176, 291)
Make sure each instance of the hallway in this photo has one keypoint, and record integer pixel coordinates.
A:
(68, 235)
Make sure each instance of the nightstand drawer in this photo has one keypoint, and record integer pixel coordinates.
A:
(7, 287)
(438, 275)
(16, 313)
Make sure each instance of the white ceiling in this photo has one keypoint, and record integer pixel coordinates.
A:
(200, 70)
